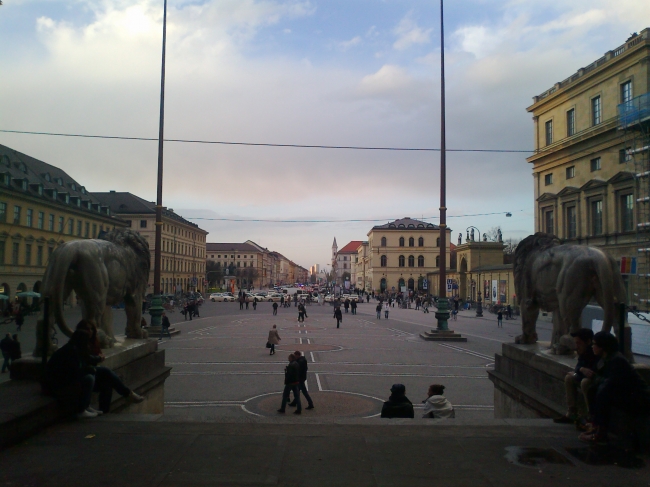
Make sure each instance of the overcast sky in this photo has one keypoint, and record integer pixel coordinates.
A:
(348, 72)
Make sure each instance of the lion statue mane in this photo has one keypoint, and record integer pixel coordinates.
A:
(102, 272)
(563, 278)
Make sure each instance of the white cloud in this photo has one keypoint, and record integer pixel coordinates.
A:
(345, 45)
(408, 33)
(286, 31)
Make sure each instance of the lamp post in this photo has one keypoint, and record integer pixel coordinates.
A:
(442, 315)
(156, 308)
(479, 302)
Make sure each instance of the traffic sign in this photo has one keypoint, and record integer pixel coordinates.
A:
(425, 284)
(450, 283)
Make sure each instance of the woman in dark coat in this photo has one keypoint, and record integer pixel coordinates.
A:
(338, 315)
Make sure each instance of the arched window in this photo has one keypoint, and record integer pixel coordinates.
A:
(401, 284)
(401, 261)
(421, 261)
(411, 261)
(384, 261)
(438, 242)
(382, 284)
(401, 241)
(420, 242)
(411, 284)
(383, 241)
(438, 261)
(411, 242)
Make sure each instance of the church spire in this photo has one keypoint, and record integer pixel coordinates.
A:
(334, 246)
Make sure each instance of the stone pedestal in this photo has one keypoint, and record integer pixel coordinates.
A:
(442, 336)
(529, 381)
(154, 331)
(139, 364)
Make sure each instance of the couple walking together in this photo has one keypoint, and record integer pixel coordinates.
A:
(295, 378)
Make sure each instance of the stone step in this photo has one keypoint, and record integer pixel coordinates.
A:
(154, 331)
(442, 336)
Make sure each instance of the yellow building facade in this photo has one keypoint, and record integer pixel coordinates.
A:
(401, 253)
(41, 207)
(587, 183)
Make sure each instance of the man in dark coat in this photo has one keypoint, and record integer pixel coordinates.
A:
(164, 327)
(338, 315)
(6, 345)
(291, 383)
(353, 306)
(302, 364)
(398, 405)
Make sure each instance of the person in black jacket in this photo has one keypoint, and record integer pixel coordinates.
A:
(577, 380)
(338, 315)
(302, 364)
(16, 351)
(398, 405)
(164, 326)
(291, 383)
(5, 345)
(615, 383)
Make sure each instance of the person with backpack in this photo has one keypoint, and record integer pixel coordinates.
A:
(302, 388)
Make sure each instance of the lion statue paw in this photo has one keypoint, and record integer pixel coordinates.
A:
(105, 341)
(564, 346)
(526, 339)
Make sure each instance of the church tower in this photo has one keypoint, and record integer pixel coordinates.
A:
(335, 249)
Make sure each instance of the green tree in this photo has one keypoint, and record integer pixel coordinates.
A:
(213, 272)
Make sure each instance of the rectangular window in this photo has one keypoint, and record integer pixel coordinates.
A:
(50, 222)
(87, 230)
(30, 215)
(548, 222)
(70, 226)
(128, 223)
(61, 223)
(571, 222)
(94, 230)
(49, 252)
(626, 92)
(627, 212)
(595, 111)
(570, 122)
(548, 179)
(15, 250)
(39, 256)
(595, 164)
(28, 254)
(79, 225)
(549, 132)
(143, 223)
(597, 217)
(17, 215)
(3, 212)
(624, 155)
(41, 218)
(570, 172)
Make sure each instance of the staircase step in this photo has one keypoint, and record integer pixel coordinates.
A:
(442, 336)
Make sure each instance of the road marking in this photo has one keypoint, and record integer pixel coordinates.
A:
(320, 387)
(360, 364)
(312, 357)
(465, 350)
(308, 341)
(328, 372)
(307, 386)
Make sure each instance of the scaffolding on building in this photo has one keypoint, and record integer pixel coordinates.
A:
(634, 121)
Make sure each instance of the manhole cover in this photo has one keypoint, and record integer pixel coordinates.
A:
(307, 347)
(326, 404)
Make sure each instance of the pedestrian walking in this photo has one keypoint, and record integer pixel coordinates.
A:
(509, 312)
(241, 302)
(500, 319)
(378, 310)
(16, 352)
(295, 300)
(353, 306)
(338, 315)
(164, 327)
(386, 309)
(20, 319)
(301, 313)
(291, 383)
(346, 304)
(282, 301)
(417, 303)
(247, 300)
(6, 344)
(273, 340)
(454, 314)
(255, 303)
(302, 386)
(275, 308)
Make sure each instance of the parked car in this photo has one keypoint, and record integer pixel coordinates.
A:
(224, 298)
(273, 297)
(214, 296)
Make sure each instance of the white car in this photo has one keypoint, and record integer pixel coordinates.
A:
(214, 296)
(222, 297)
(273, 297)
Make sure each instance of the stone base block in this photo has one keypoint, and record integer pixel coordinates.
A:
(154, 331)
(442, 336)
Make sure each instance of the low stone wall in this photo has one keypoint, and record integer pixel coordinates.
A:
(25, 410)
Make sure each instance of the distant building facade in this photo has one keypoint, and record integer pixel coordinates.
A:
(183, 242)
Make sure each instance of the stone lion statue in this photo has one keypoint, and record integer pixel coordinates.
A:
(102, 272)
(563, 278)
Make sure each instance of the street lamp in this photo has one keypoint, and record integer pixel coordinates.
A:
(156, 308)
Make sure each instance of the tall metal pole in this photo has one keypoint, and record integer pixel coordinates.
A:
(443, 306)
(156, 302)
